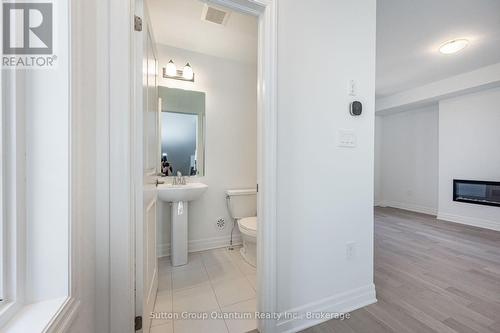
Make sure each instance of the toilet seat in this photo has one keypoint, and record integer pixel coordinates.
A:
(248, 225)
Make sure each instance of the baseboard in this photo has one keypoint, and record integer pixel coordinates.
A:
(65, 317)
(197, 245)
(340, 303)
(472, 221)
(410, 207)
(163, 250)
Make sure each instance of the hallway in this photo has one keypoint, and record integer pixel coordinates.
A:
(430, 277)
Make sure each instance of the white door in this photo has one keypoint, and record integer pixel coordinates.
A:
(146, 128)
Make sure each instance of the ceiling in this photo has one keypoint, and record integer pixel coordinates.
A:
(178, 23)
(410, 32)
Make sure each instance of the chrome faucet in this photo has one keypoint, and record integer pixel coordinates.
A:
(179, 179)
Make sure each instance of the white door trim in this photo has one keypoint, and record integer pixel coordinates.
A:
(115, 307)
(115, 218)
(267, 170)
(267, 136)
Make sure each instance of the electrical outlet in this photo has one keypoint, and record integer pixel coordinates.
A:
(350, 251)
(221, 223)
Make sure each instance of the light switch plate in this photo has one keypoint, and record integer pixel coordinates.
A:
(347, 138)
(352, 88)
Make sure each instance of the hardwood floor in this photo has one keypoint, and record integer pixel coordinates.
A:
(431, 276)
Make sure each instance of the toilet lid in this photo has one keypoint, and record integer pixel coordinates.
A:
(248, 223)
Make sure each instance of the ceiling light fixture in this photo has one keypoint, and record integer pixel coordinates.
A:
(171, 72)
(453, 46)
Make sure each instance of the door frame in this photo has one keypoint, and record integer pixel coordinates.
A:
(115, 223)
(144, 179)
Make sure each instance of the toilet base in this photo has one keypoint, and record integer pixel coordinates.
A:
(249, 253)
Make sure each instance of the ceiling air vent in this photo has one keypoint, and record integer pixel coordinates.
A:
(215, 15)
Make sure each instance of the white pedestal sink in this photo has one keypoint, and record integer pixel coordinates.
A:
(179, 196)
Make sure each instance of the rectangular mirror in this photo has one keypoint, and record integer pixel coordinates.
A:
(182, 132)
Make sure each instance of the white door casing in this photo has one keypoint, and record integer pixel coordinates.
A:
(145, 156)
(120, 95)
(267, 133)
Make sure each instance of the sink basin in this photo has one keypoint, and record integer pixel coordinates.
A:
(177, 193)
(179, 197)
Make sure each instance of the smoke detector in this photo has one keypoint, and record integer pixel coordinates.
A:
(214, 14)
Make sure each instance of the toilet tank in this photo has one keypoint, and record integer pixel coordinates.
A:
(242, 203)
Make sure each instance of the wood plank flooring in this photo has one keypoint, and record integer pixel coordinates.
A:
(430, 276)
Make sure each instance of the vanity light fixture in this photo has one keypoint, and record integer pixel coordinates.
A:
(171, 72)
(187, 72)
(453, 46)
(171, 68)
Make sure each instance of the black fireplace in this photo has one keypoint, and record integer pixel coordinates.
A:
(477, 192)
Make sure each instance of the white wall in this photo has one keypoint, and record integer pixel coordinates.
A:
(231, 141)
(324, 192)
(408, 157)
(469, 148)
(47, 171)
(377, 198)
(84, 157)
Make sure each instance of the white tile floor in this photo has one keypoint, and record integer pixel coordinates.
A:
(216, 281)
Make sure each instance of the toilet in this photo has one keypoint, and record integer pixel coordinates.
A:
(242, 205)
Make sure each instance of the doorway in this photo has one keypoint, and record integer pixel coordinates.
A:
(208, 89)
(123, 149)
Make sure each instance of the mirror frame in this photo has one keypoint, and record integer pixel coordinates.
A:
(200, 110)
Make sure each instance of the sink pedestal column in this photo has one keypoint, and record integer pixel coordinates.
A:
(179, 235)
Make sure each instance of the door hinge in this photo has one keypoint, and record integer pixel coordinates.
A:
(138, 323)
(137, 23)
(257, 188)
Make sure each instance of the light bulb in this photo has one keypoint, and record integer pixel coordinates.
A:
(187, 72)
(171, 69)
(453, 46)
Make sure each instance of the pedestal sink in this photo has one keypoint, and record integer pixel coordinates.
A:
(179, 196)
